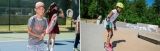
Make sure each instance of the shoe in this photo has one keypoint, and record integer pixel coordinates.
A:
(109, 48)
(51, 49)
(75, 49)
(110, 44)
(48, 49)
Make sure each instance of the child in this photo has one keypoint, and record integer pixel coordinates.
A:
(52, 10)
(111, 18)
(77, 29)
(37, 24)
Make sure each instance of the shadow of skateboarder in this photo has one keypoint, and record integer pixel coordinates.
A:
(114, 43)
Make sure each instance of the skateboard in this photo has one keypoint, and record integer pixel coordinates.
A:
(106, 47)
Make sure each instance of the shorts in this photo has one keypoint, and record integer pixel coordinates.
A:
(109, 25)
(36, 47)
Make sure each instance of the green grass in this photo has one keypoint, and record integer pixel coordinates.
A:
(15, 28)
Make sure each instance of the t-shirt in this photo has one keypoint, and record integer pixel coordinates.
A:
(114, 16)
(37, 25)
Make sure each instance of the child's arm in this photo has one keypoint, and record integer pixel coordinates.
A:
(33, 34)
(78, 27)
(110, 14)
(108, 17)
(74, 20)
(114, 23)
(61, 14)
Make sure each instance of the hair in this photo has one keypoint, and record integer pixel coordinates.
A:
(50, 8)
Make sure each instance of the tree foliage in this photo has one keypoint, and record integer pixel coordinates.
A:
(133, 11)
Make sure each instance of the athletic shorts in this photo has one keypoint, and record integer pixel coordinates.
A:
(109, 25)
(36, 47)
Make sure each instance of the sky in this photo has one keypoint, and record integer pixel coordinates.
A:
(149, 2)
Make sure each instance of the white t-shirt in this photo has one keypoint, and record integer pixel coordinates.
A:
(114, 16)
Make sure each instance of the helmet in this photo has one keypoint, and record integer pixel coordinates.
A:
(119, 4)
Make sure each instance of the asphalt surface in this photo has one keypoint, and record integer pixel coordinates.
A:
(93, 37)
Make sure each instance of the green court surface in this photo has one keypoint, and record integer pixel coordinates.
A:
(24, 36)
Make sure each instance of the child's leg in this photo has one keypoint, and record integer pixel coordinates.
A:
(53, 41)
(49, 40)
(110, 33)
(109, 36)
(76, 40)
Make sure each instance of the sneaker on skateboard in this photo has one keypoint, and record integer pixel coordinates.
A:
(108, 48)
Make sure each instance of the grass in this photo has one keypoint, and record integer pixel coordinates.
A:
(15, 28)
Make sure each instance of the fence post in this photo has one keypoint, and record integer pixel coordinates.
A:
(9, 15)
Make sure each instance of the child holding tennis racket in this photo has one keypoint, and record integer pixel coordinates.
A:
(52, 29)
(77, 30)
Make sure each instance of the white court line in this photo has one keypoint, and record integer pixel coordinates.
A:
(27, 40)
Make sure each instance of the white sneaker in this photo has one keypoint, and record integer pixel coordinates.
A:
(47, 49)
(75, 49)
(51, 49)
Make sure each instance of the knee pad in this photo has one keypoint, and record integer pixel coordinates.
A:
(110, 35)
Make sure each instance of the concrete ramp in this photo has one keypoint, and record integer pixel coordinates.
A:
(150, 37)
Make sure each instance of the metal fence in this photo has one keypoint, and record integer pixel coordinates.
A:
(15, 13)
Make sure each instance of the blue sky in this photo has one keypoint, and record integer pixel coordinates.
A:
(149, 2)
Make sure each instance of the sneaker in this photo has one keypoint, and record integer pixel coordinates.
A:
(75, 49)
(48, 49)
(109, 48)
(110, 44)
(51, 49)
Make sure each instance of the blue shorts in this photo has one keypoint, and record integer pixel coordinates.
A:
(109, 25)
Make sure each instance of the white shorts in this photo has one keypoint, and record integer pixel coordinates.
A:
(36, 47)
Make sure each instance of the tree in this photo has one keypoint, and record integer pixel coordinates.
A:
(92, 12)
(157, 6)
(84, 5)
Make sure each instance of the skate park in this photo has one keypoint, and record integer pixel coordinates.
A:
(124, 39)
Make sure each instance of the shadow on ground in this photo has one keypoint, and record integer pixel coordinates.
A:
(114, 43)
(59, 42)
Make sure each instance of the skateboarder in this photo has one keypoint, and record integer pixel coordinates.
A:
(111, 20)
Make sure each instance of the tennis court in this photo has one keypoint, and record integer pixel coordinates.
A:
(18, 41)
